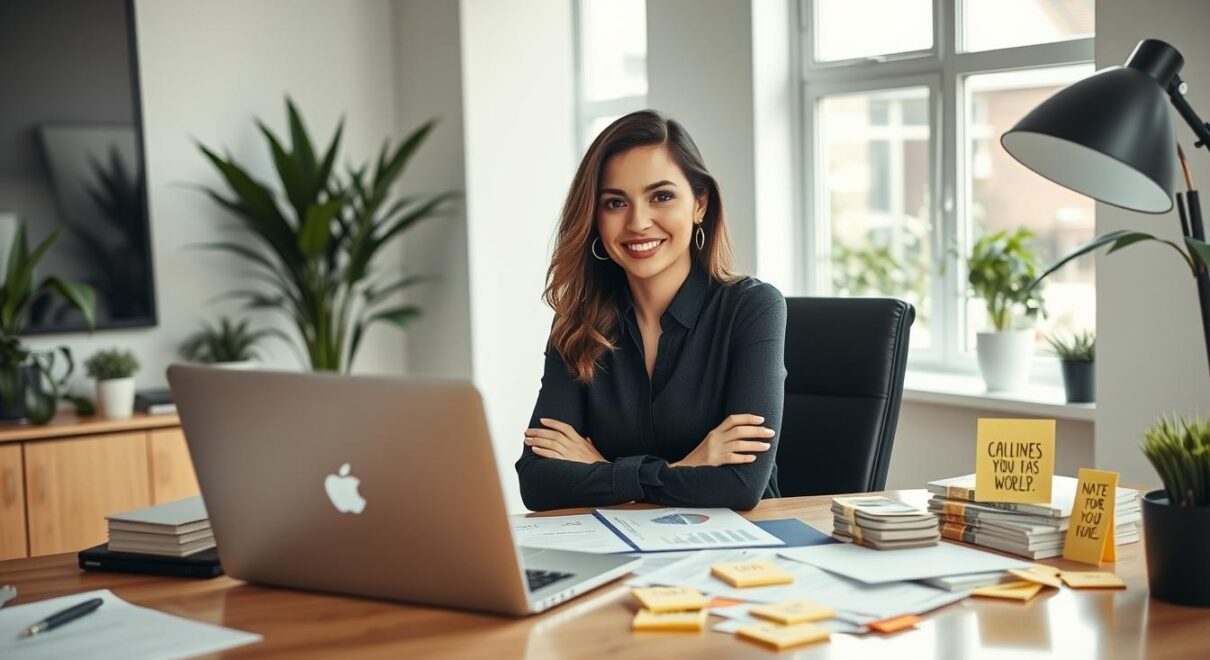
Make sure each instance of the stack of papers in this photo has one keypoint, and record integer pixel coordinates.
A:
(175, 529)
(882, 523)
(1036, 531)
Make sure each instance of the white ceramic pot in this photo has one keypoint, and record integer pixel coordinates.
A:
(115, 398)
(1005, 358)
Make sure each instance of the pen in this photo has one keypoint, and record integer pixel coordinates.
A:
(59, 618)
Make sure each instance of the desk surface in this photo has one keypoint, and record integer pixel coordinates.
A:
(1064, 623)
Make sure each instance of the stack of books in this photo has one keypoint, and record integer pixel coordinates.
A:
(882, 523)
(155, 402)
(1035, 531)
(175, 529)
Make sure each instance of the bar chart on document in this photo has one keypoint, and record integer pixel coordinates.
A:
(686, 529)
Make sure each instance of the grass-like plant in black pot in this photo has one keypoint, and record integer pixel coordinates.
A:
(229, 342)
(317, 246)
(1077, 356)
(1176, 518)
(29, 385)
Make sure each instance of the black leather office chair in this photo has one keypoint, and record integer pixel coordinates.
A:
(845, 359)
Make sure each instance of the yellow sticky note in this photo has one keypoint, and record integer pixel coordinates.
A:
(1092, 580)
(689, 620)
(760, 573)
(1090, 532)
(793, 611)
(784, 637)
(1014, 460)
(670, 599)
(1045, 575)
(1022, 590)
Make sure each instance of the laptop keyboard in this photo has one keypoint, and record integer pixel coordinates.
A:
(538, 579)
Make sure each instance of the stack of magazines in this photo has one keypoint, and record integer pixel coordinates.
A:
(882, 523)
(1035, 531)
(175, 529)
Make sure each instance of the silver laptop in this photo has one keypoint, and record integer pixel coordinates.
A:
(379, 487)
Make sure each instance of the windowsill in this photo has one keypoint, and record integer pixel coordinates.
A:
(969, 392)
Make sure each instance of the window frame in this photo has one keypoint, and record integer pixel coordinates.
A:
(945, 66)
(587, 111)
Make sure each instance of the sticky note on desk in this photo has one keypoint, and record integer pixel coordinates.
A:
(1014, 460)
(686, 621)
(760, 573)
(1022, 590)
(670, 599)
(1092, 580)
(784, 637)
(1090, 537)
(1040, 573)
(793, 611)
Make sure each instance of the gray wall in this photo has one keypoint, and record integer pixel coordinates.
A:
(1151, 358)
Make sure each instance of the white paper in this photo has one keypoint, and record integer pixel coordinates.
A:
(881, 566)
(852, 599)
(581, 533)
(653, 530)
(115, 630)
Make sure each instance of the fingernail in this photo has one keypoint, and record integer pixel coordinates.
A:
(759, 419)
(769, 431)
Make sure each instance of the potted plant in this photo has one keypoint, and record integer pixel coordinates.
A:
(29, 388)
(318, 248)
(114, 370)
(230, 344)
(1176, 518)
(1077, 356)
(1001, 269)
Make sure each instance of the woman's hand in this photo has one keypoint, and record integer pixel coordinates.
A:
(724, 444)
(561, 441)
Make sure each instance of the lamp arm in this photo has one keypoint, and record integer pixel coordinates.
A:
(1201, 129)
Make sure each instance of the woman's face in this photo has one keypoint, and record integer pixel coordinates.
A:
(646, 212)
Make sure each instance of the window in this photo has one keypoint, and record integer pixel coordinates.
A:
(904, 170)
(611, 64)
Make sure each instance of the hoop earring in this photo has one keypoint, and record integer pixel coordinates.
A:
(593, 248)
(700, 237)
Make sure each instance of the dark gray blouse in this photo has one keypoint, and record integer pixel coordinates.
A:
(721, 352)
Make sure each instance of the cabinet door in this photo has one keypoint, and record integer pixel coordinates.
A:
(172, 476)
(12, 502)
(71, 485)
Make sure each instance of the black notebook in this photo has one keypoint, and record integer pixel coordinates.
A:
(203, 564)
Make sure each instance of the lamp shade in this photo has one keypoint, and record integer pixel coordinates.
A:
(1109, 136)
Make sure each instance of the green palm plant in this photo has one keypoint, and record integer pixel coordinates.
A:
(316, 249)
(227, 342)
(28, 384)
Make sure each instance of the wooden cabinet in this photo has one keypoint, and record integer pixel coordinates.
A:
(58, 481)
(172, 476)
(12, 503)
(71, 485)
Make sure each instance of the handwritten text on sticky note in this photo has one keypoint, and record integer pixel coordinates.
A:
(1014, 460)
(1090, 533)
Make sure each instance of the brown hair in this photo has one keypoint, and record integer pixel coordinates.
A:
(581, 289)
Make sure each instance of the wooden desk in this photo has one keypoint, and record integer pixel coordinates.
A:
(1064, 623)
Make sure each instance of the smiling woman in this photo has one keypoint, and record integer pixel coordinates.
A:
(659, 351)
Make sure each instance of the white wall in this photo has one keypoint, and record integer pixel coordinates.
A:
(518, 100)
(1151, 357)
(428, 83)
(207, 69)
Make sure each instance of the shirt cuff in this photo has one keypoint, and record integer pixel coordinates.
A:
(627, 485)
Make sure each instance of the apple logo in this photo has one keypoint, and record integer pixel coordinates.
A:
(342, 490)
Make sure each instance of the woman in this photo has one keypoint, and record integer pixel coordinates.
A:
(664, 377)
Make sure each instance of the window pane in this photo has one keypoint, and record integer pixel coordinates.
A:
(613, 48)
(844, 29)
(875, 177)
(1005, 195)
(990, 24)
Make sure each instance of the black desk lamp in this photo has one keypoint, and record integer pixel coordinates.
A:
(1110, 137)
